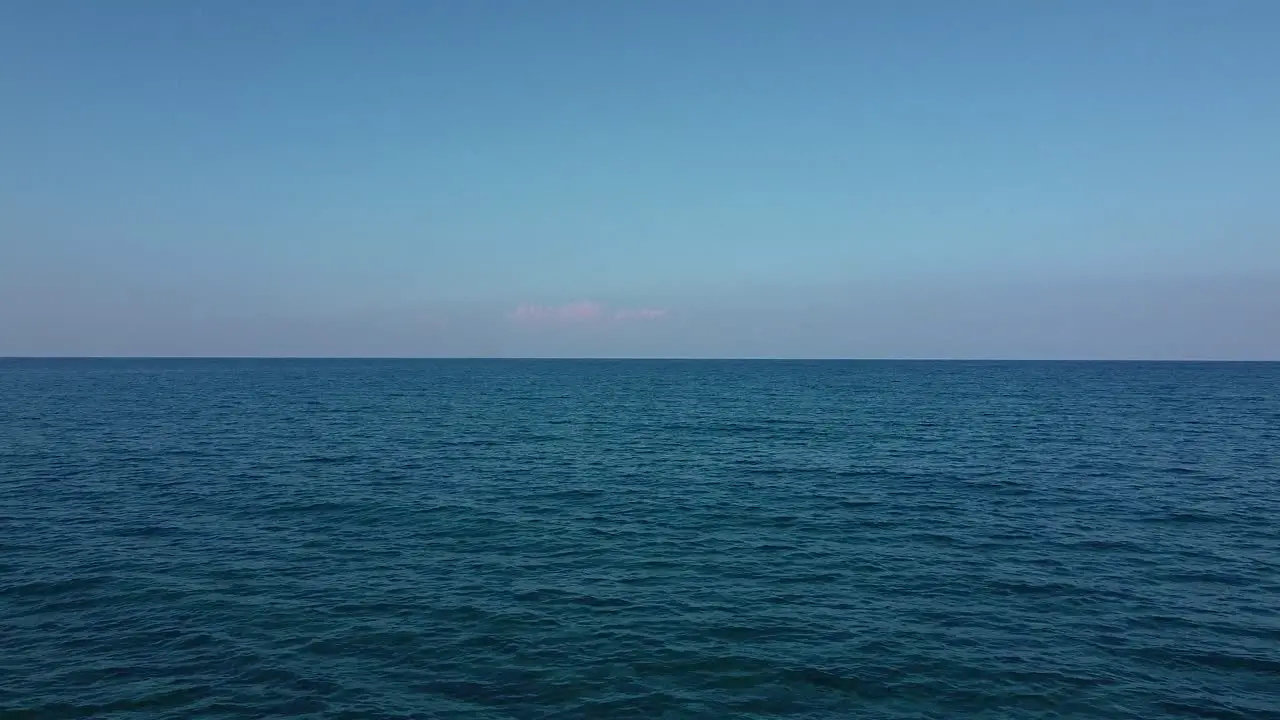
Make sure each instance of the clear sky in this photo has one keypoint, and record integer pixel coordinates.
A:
(891, 178)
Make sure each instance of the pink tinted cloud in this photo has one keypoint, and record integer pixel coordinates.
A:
(584, 311)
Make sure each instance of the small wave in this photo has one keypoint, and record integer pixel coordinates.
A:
(186, 453)
(1204, 709)
(840, 682)
(146, 531)
(310, 508)
(936, 538)
(858, 504)
(166, 700)
(1210, 578)
(1222, 660)
(54, 588)
(549, 596)
(756, 633)
(330, 459)
(1186, 518)
(1051, 588)
(1106, 546)
(473, 442)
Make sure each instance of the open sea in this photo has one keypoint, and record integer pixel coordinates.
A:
(638, 539)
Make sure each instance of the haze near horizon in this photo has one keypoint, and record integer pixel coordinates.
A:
(697, 179)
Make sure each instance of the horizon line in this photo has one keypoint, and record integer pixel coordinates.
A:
(656, 358)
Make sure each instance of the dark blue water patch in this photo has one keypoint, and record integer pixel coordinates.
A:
(501, 539)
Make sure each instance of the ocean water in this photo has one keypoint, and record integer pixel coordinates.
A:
(632, 539)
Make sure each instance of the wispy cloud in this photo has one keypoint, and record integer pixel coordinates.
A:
(639, 314)
(583, 311)
(575, 312)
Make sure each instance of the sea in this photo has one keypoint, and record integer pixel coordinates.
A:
(527, 539)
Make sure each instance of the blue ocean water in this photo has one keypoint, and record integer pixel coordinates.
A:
(636, 539)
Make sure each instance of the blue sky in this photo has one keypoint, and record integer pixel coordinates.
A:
(896, 178)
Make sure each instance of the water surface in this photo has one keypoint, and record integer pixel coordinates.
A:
(632, 539)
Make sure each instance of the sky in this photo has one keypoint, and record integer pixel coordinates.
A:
(667, 178)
